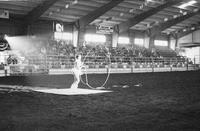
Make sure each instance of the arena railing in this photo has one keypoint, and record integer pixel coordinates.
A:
(56, 62)
(43, 64)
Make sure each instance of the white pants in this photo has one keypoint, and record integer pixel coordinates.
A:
(77, 75)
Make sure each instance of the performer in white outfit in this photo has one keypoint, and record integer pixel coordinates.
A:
(77, 71)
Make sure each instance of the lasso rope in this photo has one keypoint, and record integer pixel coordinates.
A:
(3, 46)
(86, 74)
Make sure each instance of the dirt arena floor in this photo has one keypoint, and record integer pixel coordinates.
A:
(159, 102)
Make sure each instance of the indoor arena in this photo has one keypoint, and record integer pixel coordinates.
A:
(99, 65)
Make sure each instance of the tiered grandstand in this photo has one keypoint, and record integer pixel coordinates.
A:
(60, 55)
(166, 52)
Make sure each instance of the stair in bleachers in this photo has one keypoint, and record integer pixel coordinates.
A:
(166, 52)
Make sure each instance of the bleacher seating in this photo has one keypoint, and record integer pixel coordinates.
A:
(165, 52)
(60, 55)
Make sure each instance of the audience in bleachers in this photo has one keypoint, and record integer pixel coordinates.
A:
(66, 48)
(2, 66)
(57, 53)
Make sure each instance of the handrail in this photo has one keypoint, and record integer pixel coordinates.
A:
(48, 63)
(56, 61)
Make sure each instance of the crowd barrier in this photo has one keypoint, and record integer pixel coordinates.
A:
(53, 64)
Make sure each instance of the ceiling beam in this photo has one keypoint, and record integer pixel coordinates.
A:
(85, 20)
(34, 14)
(189, 44)
(182, 33)
(156, 30)
(123, 27)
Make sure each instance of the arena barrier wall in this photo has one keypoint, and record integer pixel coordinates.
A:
(57, 65)
(32, 70)
(65, 81)
(121, 70)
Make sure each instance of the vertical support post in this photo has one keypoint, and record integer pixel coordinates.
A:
(115, 36)
(131, 64)
(146, 41)
(169, 42)
(152, 64)
(46, 66)
(75, 36)
(170, 63)
(151, 42)
(132, 38)
(115, 39)
(176, 41)
(5, 70)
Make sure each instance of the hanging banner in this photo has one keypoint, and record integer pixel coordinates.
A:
(104, 29)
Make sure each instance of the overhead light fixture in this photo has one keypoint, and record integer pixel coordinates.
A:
(195, 10)
(121, 14)
(142, 6)
(175, 16)
(58, 10)
(51, 13)
(183, 6)
(74, 2)
(151, 1)
(67, 6)
(184, 30)
(154, 1)
(193, 28)
(131, 10)
(184, 13)
(166, 19)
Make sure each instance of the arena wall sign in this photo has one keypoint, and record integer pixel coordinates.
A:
(104, 29)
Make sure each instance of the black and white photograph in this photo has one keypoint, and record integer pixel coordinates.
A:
(99, 65)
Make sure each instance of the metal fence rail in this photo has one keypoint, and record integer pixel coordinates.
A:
(53, 62)
(45, 63)
(66, 62)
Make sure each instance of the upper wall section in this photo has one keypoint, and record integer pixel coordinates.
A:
(190, 38)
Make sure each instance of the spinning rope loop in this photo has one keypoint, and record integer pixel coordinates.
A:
(86, 74)
(3, 46)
